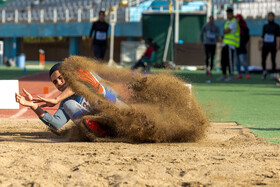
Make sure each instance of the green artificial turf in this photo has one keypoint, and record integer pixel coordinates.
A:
(253, 103)
(7, 73)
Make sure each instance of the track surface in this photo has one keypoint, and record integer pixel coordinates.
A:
(34, 84)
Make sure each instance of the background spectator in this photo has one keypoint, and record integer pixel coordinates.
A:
(231, 41)
(269, 44)
(211, 34)
(100, 36)
(241, 51)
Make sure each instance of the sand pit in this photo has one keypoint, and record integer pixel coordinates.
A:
(229, 155)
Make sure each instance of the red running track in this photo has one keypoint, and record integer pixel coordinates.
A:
(35, 85)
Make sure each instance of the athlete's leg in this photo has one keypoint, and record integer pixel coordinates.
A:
(238, 64)
(265, 52)
(103, 48)
(213, 53)
(231, 59)
(74, 109)
(244, 63)
(207, 55)
(91, 81)
(224, 59)
(273, 57)
(97, 51)
(139, 63)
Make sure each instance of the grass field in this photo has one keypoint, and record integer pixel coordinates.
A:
(7, 73)
(253, 103)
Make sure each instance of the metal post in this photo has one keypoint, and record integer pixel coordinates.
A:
(169, 32)
(91, 14)
(126, 14)
(67, 15)
(176, 21)
(16, 16)
(79, 15)
(55, 15)
(113, 20)
(29, 16)
(42, 15)
(138, 9)
(3, 16)
(168, 38)
(209, 8)
(128, 7)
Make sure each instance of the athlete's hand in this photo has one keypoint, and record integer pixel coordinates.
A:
(24, 100)
(47, 102)
(260, 47)
(90, 43)
(27, 96)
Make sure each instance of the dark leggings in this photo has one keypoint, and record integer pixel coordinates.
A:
(141, 63)
(227, 60)
(265, 51)
(99, 51)
(210, 50)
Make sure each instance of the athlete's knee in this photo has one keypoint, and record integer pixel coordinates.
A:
(74, 109)
(68, 105)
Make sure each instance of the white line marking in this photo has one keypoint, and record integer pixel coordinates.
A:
(24, 110)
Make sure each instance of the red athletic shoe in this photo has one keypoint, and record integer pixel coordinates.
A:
(94, 127)
(239, 76)
(248, 76)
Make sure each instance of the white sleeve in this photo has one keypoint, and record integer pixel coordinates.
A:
(233, 26)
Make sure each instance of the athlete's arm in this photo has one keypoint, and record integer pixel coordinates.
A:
(50, 102)
(92, 29)
(201, 34)
(58, 120)
(232, 28)
(277, 42)
(226, 31)
(260, 44)
(27, 102)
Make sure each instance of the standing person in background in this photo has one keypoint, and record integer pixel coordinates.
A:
(269, 44)
(99, 42)
(231, 41)
(241, 51)
(211, 34)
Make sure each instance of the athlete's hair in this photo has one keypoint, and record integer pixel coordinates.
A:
(229, 10)
(271, 13)
(101, 12)
(54, 68)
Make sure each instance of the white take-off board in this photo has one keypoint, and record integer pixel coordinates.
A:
(8, 88)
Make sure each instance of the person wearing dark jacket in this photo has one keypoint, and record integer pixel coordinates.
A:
(269, 44)
(242, 50)
(99, 43)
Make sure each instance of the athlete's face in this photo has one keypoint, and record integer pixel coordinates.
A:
(238, 19)
(229, 15)
(101, 16)
(58, 81)
(270, 17)
(211, 19)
